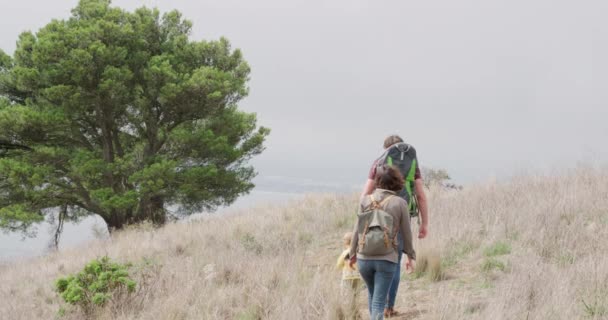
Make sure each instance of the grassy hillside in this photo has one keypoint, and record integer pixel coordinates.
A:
(532, 248)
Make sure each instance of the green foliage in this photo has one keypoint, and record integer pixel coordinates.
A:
(490, 264)
(595, 300)
(497, 249)
(16, 217)
(457, 251)
(595, 309)
(124, 115)
(434, 176)
(566, 260)
(251, 313)
(250, 243)
(486, 284)
(438, 177)
(61, 312)
(96, 284)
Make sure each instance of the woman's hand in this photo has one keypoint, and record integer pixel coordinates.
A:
(410, 265)
(352, 261)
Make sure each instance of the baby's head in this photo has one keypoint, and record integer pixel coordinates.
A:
(347, 238)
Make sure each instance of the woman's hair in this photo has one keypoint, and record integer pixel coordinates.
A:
(389, 178)
(391, 140)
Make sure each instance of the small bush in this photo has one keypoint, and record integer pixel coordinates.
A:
(457, 252)
(486, 284)
(95, 285)
(252, 313)
(595, 309)
(474, 307)
(305, 238)
(429, 264)
(497, 249)
(493, 264)
(250, 243)
(565, 260)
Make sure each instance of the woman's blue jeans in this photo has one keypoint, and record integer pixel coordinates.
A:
(377, 275)
(392, 292)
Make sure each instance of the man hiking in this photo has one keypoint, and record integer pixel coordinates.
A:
(403, 156)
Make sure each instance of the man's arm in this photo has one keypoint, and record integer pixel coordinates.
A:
(424, 208)
(370, 186)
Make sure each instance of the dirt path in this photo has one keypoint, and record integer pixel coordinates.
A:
(416, 296)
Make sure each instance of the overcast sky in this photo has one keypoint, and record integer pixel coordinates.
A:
(482, 88)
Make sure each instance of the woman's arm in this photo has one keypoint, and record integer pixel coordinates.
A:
(354, 241)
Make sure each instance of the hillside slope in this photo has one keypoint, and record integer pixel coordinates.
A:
(531, 248)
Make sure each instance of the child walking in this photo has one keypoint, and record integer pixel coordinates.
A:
(351, 279)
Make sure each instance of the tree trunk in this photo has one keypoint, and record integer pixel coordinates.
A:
(61, 216)
(115, 221)
(157, 207)
(151, 209)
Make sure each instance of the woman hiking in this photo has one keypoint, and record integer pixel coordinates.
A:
(378, 270)
(417, 200)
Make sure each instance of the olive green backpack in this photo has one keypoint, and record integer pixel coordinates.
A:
(376, 229)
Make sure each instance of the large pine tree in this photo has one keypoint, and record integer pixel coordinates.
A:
(124, 115)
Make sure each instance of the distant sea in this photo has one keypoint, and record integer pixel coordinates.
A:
(15, 245)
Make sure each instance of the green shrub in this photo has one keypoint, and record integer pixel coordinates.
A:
(96, 284)
(486, 284)
(566, 259)
(457, 251)
(252, 313)
(498, 249)
(595, 309)
(250, 243)
(491, 264)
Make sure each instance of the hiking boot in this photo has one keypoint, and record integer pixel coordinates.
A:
(390, 312)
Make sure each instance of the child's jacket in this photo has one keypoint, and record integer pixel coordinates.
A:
(348, 273)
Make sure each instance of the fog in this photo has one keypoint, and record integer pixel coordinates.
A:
(482, 88)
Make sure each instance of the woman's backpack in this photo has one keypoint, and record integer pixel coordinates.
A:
(376, 229)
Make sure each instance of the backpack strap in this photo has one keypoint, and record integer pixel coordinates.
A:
(378, 205)
(375, 204)
(385, 200)
(388, 240)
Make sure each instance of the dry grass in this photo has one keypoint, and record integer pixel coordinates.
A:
(547, 232)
